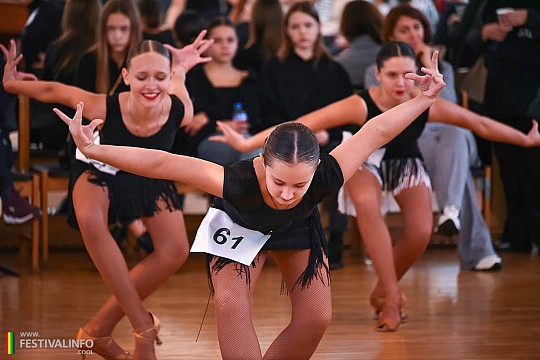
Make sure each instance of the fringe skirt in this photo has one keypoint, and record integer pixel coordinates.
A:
(394, 176)
(316, 268)
(130, 196)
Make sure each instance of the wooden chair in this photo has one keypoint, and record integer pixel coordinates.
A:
(51, 176)
(26, 182)
(28, 186)
(12, 20)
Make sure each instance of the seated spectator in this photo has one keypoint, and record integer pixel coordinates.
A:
(264, 36)
(361, 26)
(215, 88)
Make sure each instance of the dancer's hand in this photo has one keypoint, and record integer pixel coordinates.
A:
(432, 83)
(12, 60)
(230, 137)
(533, 137)
(82, 135)
(190, 55)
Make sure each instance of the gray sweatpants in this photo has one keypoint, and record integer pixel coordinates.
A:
(449, 152)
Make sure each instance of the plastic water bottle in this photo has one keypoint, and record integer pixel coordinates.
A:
(238, 112)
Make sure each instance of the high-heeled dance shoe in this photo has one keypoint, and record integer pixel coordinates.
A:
(151, 334)
(103, 346)
(157, 327)
(385, 312)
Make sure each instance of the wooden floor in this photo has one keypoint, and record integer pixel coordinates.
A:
(453, 314)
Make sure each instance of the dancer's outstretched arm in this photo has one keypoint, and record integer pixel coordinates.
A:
(483, 126)
(353, 110)
(16, 82)
(157, 164)
(182, 61)
(381, 129)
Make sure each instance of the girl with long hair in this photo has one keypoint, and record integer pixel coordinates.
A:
(146, 116)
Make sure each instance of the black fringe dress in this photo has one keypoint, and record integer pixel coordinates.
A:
(296, 228)
(131, 196)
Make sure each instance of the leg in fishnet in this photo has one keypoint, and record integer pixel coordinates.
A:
(233, 299)
(311, 309)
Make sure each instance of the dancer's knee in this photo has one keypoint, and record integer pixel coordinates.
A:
(172, 254)
(321, 321)
(229, 304)
(316, 322)
(366, 207)
(91, 220)
(419, 235)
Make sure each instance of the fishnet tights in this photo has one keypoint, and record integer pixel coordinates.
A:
(311, 311)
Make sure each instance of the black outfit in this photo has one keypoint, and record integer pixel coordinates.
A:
(53, 132)
(242, 30)
(132, 196)
(294, 87)
(85, 78)
(217, 102)
(513, 81)
(250, 58)
(295, 228)
(87, 74)
(405, 145)
(401, 149)
(43, 27)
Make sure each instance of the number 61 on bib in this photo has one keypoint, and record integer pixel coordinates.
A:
(219, 235)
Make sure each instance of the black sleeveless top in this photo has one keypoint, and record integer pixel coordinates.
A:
(115, 132)
(405, 145)
(131, 196)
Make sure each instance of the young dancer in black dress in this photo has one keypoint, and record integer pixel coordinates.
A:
(274, 195)
(146, 116)
(400, 171)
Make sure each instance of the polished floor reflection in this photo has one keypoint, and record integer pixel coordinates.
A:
(453, 314)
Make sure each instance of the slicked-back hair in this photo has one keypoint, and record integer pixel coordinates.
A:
(393, 49)
(292, 143)
(147, 46)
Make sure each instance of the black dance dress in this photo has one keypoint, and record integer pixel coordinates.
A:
(295, 228)
(132, 196)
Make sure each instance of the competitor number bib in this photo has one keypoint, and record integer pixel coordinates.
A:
(219, 235)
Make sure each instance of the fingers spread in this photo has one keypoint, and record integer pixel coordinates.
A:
(62, 116)
(95, 123)
(205, 45)
(434, 60)
(4, 50)
(200, 37)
